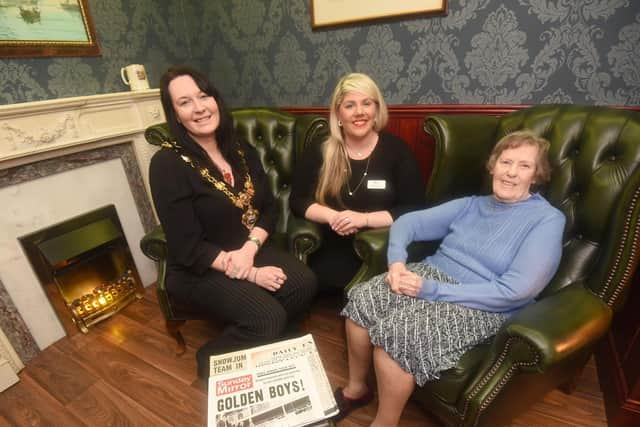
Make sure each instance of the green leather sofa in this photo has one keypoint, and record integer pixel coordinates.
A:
(279, 138)
(595, 155)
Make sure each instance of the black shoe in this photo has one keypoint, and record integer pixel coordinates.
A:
(346, 405)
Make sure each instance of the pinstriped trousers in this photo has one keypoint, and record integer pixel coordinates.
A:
(252, 315)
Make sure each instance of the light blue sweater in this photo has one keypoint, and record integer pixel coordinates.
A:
(503, 254)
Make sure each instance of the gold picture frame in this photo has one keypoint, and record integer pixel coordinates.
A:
(331, 13)
(43, 28)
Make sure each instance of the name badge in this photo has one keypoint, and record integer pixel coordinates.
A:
(376, 184)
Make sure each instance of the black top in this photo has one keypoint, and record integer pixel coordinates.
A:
(198, 220)
(393, 181)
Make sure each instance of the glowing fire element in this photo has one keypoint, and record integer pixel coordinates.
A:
(104, 295)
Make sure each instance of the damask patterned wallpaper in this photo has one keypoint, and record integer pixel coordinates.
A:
(263, 52)
(155, 33)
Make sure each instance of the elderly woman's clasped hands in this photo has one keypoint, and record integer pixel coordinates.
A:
(402, 281)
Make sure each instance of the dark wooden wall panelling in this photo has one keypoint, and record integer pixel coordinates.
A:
(405, 121)
(618, 357)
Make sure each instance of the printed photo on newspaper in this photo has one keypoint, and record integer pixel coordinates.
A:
(279, 384)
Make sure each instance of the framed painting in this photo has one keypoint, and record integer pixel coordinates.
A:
(330, 13)
(37, 28)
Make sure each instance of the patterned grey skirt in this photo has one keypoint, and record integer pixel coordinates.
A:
(424, 337)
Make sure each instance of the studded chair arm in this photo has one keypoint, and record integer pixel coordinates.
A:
(158, 134)
(304, 237)
(371, 247)
(550, 337)
(559, 325)
(311, 129)
(154, 244)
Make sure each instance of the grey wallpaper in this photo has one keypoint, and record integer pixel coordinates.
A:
(150, 32)
(264, 52)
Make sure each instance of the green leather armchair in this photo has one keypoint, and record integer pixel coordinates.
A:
(595, 155)
(279, 138)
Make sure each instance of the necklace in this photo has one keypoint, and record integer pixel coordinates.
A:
(242, 200)
(363, 150)
(364, 174)
(359, 154)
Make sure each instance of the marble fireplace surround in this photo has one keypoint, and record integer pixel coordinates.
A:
(95, 147)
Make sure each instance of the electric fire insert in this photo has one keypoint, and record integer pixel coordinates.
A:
(88, 261)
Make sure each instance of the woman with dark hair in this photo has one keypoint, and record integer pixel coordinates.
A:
(217, 211)
(360, 177)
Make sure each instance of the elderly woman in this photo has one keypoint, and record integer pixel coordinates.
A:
(361, 177)
(498, 252)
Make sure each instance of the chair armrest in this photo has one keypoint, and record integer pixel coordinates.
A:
(154, 244)
(304, 237)
(310, 129)
(158, 134)
(559, 326)
(551, 337)
(371, 247)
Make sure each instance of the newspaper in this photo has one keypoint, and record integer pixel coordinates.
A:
(280, 384)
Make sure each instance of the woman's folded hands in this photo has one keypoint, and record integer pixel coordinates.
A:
(402, 281)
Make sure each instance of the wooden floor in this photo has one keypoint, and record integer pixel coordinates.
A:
(125, 372)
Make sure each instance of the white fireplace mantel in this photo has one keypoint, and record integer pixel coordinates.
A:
(38, 130)
(46, 177)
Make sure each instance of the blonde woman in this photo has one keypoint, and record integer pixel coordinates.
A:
(360, 177)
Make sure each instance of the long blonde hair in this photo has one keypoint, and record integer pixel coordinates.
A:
(336, 169)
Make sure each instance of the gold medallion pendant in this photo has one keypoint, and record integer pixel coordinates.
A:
(242, 200)
(250, 217)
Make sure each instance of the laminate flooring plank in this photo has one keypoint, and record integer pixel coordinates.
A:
(532, 418)
(151, 346)
(102, 405)
(558, 408)
(330, 331)
(588, 382)
(28, 404)
(324, 319)
(157, 391)
(334, 359)
(61, 376)
(150, 294)
(197, 332)
(142, 310)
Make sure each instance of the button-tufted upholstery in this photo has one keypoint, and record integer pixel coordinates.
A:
(595, 156)
(279, 138)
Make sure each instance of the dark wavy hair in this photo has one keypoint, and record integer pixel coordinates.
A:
(224, 133)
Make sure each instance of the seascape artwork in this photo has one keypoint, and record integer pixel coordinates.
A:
(42, 20)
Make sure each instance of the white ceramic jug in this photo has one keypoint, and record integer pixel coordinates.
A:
(135, 77)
